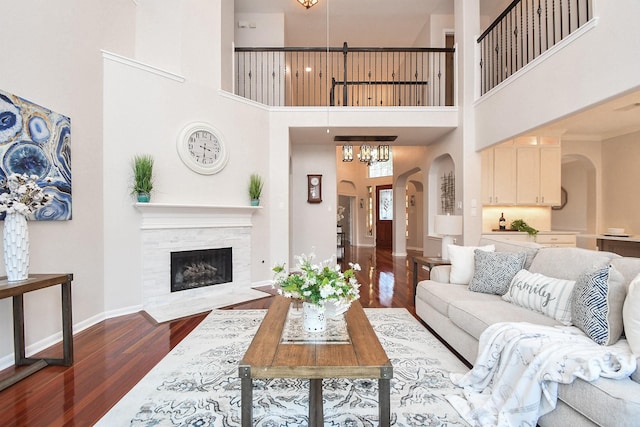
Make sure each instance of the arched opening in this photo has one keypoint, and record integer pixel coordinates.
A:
(578, 211)
(442, 199)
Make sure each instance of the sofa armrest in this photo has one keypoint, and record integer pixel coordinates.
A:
(440, 273)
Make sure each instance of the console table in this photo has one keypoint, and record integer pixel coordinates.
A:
(428, 261)
(16, 290)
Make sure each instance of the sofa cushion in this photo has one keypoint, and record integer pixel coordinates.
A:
(568, 263)
(513, 246)
(440, 295)
(597, 304)
(462, 262)
(546, 295)
(475, 316)
(605, 401)
(631, 316)
(494, 271)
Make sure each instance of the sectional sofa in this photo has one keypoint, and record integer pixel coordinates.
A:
(459, 315)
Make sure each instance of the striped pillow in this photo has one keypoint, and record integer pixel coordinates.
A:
(598, 298)
(546, 295)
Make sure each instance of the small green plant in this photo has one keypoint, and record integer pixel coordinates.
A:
(142, 166)
(255, 186)
(520, 225)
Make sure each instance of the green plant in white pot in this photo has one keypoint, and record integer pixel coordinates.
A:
(255, 189)
(142, 167)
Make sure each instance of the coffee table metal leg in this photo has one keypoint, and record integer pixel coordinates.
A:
(384, 396)
(316, 409)
(246, 396)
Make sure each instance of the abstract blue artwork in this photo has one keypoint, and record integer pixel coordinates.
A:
(37, 141)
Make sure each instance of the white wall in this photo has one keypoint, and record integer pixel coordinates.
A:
(264, 30)
(620, 176)
(311, 222)
(52, 58)
(594, 65)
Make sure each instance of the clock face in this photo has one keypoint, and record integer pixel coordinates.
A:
(202, 149)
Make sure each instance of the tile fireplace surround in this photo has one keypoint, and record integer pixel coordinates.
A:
(167, 228)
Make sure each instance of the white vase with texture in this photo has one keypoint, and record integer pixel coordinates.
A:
(16, 247)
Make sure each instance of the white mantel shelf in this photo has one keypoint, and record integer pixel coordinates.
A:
(173, 215)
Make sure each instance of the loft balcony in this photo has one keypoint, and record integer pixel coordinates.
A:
(345, 76)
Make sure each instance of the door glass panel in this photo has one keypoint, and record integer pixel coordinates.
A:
(386, 205)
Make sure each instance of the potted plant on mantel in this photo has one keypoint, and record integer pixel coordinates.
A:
(255, 188)
(142, 166)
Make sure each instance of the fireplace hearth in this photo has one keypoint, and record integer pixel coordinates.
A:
(200, 268)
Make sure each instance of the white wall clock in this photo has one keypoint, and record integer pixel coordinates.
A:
(202, 149)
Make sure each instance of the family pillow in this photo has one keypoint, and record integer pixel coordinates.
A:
(462, 262)
(546, 295)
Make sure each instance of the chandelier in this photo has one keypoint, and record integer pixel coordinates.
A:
(308, 3)
(368, 154)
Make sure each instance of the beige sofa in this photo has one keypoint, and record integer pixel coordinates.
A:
(459, 316)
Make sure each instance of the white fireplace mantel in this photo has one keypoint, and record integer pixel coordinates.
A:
(171, 215)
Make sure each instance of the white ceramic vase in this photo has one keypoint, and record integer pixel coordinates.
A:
(16, 247)
(313, 318)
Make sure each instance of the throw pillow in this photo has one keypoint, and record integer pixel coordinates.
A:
(462, 262)
(546, 295)
(598, 298)
(495, 270)
(631, 316)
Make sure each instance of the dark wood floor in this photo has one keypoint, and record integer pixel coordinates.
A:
(112, 356)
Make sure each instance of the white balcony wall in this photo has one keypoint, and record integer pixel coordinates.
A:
(593, 64)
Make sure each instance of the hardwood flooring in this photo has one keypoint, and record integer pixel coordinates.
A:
(112, 356)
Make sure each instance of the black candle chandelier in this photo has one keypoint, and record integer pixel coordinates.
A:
(368, 154)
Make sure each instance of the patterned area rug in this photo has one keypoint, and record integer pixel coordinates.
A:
(197, 383)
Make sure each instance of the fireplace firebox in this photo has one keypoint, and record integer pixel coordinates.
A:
(199, 268)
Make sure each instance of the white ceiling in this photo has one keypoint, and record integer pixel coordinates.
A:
(394, 23)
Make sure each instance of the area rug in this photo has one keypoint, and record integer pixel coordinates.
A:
(197, 383)
(168, 312)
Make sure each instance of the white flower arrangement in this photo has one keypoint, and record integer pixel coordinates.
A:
(22, 194)
(340, 213)
(318, 283)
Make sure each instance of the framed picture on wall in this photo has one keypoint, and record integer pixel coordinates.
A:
(314, 188)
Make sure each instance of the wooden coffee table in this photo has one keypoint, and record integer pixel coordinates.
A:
(268, 357)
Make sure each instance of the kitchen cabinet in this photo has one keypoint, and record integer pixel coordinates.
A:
(539, 171)
(499, 175)
(524, 172)
(552, 239)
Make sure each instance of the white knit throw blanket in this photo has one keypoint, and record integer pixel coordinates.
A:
(515, 378)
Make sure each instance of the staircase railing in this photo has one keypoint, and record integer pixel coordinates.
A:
(296, 76)
(525, 30)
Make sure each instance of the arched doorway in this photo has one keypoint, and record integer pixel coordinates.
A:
(578, 212)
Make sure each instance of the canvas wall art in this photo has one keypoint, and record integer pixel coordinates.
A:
(37, 141)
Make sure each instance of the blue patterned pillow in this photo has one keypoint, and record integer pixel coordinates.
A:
(598, 298)
(495, 270)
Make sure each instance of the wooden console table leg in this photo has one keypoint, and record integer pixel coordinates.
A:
(18, 330)
(246, 397)
(67, 324)
(316, 409)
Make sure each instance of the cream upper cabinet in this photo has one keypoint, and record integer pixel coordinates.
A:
(550, 175)
(499, 175)
(525, 172)
(539, 169)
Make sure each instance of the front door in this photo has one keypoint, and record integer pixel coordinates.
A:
(384, 216)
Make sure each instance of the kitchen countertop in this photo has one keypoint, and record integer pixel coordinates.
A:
(524, 232)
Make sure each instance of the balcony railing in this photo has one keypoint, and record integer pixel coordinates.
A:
(525, 30)
(292, 76)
